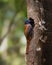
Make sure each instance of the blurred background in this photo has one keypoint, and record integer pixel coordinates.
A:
(12, 40)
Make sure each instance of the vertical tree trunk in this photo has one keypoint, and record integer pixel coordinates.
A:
(34, 56)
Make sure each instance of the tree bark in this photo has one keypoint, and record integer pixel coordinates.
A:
(35, 11)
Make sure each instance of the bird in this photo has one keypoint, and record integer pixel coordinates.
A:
(28, 31)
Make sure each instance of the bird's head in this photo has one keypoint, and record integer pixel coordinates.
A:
(30, 21)
(27, 21)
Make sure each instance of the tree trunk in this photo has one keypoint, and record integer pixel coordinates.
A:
(34, 56)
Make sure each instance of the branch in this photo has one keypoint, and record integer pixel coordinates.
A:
(9, 29)
(10, 26)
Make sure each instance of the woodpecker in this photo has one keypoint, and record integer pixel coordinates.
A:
(28, 31)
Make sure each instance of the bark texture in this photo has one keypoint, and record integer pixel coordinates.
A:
(35, 11)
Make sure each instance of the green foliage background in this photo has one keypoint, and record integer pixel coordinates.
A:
(16, 43)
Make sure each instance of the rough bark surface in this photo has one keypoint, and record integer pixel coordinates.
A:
(34, 57)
